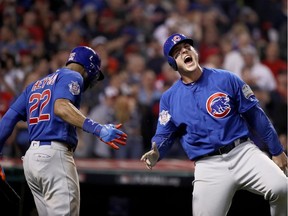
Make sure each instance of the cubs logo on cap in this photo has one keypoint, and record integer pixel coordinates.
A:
(176, 38)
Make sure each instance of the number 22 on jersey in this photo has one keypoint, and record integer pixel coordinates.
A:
(38, 102)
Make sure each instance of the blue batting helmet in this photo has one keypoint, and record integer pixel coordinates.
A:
(169, 44)
(89, 59)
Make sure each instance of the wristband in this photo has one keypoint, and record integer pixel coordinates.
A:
(91, 126)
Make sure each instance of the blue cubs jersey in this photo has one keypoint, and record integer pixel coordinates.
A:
(36, 106)
(209, 111)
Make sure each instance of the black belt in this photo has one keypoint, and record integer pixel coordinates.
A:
(69, 148)
(224, 149)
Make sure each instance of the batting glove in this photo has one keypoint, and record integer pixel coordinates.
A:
(108, 133)
(151, 157)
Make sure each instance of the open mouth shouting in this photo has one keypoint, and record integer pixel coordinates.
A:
(188, 60)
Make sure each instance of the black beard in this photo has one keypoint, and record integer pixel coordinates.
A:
(89, 83)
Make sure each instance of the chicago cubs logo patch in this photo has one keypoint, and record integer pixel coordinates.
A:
(74, 88)
(164, 117)
(217, 105)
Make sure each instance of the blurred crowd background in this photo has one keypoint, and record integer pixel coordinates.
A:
(247, 37)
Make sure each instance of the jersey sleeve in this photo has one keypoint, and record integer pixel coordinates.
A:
(69, 86)
(263, 131)
(7, 125)
(245, 97)
(19, 105)
(166, 129)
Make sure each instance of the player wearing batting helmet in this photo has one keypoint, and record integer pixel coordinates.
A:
(214, 113)
(51, 108)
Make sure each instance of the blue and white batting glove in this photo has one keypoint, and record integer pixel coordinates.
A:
(108, 133)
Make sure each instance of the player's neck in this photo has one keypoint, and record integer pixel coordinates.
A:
(76, 67)
(192, 76)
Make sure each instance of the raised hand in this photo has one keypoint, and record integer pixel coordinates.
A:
(111, 135)
(108, 133)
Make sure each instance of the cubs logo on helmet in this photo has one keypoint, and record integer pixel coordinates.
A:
(217, 105)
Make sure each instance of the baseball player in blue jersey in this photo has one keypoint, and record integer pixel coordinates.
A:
(51, 108)
(214, 112)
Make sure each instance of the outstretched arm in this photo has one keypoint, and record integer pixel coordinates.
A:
(108, 133)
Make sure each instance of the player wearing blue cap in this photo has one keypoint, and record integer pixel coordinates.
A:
(214, 113)
(51, 108)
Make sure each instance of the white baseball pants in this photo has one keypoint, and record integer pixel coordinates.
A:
(246, 167)
(52, 176)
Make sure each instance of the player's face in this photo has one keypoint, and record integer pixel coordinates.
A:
(186, 57)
